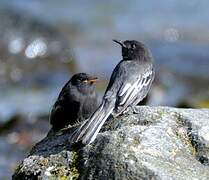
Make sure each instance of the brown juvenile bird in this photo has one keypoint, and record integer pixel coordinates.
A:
(76, 102)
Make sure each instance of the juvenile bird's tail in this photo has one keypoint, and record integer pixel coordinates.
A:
(88, 131)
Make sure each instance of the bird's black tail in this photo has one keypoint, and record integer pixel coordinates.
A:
(88, 131)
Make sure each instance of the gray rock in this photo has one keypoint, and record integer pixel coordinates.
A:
(144, 143)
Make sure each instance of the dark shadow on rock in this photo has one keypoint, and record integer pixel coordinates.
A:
(201, 151)
(54, 143)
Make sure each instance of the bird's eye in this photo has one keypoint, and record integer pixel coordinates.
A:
(83, 80)
(133, 46)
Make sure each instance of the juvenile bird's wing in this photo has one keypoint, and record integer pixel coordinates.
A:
(65, 110)
(57, 109)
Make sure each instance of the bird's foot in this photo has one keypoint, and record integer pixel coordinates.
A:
(129, 110)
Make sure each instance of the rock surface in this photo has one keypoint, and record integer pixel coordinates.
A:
(145, 143)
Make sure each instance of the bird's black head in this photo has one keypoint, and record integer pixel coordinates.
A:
(84, 82)
(132, 49)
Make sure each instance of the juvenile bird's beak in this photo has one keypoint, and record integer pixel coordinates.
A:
(119, 42)
(92, 79)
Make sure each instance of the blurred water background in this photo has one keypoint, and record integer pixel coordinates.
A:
(42, 43)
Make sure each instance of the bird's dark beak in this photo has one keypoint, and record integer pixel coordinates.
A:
(92, 80)
(119, 42)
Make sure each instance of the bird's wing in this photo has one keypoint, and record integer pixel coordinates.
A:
(56, 109)
(145, 89)
(64, 110)
(134, 89)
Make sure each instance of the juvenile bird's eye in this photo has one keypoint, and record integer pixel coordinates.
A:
(79, 80)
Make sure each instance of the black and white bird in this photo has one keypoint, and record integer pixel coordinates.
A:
(76, 101)
(129, 84)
